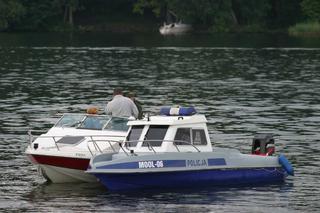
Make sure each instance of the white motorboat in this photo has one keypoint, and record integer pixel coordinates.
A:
(173, 149)
(63, 153)
(175, 28)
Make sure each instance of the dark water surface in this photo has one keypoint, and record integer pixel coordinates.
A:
(243, 84)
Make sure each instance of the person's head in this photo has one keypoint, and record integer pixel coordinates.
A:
(92, 110)
(117, 91)
(131, 95)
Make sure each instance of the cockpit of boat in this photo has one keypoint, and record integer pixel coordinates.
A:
(92, 122)
(167, 132)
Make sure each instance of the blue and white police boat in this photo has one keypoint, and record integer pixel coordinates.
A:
(173, 149)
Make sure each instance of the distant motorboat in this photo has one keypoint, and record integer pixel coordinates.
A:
(175, 28)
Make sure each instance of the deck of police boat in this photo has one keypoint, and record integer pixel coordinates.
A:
(174, 150)
(63, 153)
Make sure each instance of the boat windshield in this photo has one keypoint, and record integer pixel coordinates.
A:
(70, 120)
(94, 122)
(117, 124)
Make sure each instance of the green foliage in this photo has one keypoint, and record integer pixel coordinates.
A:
(283, 13)
(251, 12)
(219, 15)
(11, 12)
(39, 14)
(155, 5)
(311, 8)
(197, 12)
(305, 29)
(213, 15)
(206, 12)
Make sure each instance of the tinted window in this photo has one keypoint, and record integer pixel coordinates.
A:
(182, 136)
(70, 139)
(199, 137)
(134, 135)
(155, 135)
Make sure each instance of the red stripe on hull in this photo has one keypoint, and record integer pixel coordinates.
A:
(66, 162)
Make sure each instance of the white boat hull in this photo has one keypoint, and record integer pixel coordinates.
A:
(63, 153)
(62, 169)
(65, 175)
(175, 29)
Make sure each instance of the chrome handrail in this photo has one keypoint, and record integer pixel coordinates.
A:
(55, 142)
(95, 144)
(50, 136)
(32, 138)
(166, 141)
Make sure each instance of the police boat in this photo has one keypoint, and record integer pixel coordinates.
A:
(173, 149)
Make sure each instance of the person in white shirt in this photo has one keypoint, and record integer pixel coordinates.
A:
(121, 106)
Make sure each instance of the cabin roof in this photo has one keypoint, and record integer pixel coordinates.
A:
(170, 120)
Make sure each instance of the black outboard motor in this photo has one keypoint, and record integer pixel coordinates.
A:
(263, 144)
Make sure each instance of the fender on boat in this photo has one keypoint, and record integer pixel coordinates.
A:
(286, 164)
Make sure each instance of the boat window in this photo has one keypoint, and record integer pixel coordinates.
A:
(183, 136)
(70, 120)
(118, 124)
(94, 122)
(155, 135)
(199, 137)
(134, 136)
(70, 139)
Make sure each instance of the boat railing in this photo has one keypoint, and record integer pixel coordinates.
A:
(97, 148)
(176, 143)
(90, 138)
(32, 136)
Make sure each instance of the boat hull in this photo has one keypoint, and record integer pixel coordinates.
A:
(58, 169)
(175, 29)
(194, 178)
(64, 175)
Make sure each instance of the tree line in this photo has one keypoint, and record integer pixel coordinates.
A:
(211, 15)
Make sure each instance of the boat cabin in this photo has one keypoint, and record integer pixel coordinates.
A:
(174, 130)
(81, 130)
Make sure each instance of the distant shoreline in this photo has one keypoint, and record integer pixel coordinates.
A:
(299, 30)
(305, 29)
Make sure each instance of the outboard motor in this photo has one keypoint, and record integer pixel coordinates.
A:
(263, 144)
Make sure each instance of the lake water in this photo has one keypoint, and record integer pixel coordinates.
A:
(244, 84)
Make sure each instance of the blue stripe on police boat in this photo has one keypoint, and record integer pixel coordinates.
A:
(216, 162)
(151, 163)
(130, 165)
(164, 164)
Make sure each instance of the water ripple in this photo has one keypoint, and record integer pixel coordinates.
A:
(241, 90)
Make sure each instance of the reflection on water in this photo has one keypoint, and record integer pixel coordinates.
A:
(241, 90)
(88, 197)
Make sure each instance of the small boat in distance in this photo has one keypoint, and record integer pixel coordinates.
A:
(175, 28)
(173, 150)
(63, 153)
